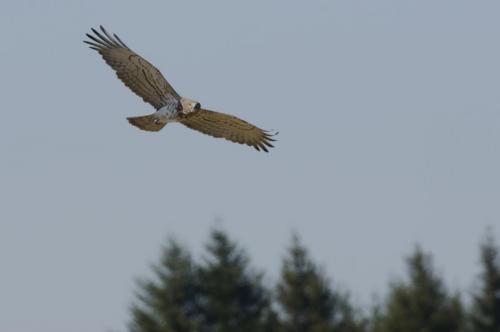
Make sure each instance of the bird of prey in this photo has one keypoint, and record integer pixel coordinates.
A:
(149, 84)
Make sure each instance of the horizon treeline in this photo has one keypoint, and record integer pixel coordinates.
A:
(223, 292)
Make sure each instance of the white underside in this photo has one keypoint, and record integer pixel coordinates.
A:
(167, 113)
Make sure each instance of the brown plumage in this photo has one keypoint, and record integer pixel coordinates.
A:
(148, 83)
(229, 127)
(146, 122)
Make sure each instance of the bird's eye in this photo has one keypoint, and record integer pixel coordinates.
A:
(197, 106)
(179, 107)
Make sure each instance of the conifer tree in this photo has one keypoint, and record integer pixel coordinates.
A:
(306, 299)
(232, 295)
(485, 311)
(168, 303)
(422, 303)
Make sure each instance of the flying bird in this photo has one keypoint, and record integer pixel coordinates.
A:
(148, 83)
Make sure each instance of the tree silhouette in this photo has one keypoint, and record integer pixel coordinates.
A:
(421, 303)
(485, 311)
(306, 299)
(168, 303)
(232, 296)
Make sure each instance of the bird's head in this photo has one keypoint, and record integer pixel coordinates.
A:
(189, 105)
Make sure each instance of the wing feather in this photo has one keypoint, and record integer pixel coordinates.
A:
(134, 71)
(227, 126)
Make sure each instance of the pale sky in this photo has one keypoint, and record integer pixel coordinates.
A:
(389, 121)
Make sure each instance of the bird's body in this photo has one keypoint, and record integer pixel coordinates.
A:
(168, 113)
(148, 83)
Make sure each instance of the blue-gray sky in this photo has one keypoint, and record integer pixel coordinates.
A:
(389, 120)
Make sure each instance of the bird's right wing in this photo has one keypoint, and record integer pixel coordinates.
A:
(133, 70)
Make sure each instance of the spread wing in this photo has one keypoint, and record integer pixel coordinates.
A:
(133, 70)
(229, 127)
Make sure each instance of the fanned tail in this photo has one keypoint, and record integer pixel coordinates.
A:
(147, 122)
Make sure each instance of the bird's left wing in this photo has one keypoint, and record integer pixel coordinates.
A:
(133, 70)
(229, 127)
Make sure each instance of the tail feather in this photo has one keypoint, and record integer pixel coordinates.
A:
(147, 122)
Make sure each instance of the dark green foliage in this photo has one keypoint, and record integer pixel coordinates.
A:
(485, 312)
(169, 303)
(233, 298)
(421, 303)
(306, 299)
(220, 295)
(224, 294)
